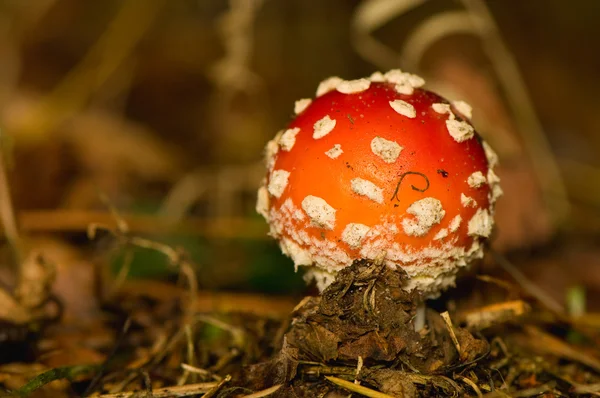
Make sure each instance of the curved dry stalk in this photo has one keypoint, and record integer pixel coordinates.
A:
(433, 29)
(536, 143)
(176, 257)
(471, 384)
(101, 61)
(368, 17)
(123, 273)
(190, 354)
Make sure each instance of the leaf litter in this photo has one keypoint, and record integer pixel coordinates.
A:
(357, 337)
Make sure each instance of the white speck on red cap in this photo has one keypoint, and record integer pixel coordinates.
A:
(492, 178)
(319, 211)
(476, 180)
(271, 150)
(368, 189)
(323, 127)
(295, 212)
(455, 223)
(403, 108)
(354, 233)
(442, 108)
(295, 252)
(335, 152)
(285, 222)
(441, 267)
(328, 85)
(396, 76)
(404, 83)
(415, 80)
(288, 139)
(378, 239)
(278, 182)
(404, 89)
(301, 105)
(377, 77)
(481, 224)
(385, 149)
(441, 234)
(463, 108)
(459, 130)
(427, 212)
(490, 154)
(467, 201)
(494, 181)
(353, 86)
(262, 202)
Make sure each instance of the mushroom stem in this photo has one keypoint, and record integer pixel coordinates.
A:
(420, 316)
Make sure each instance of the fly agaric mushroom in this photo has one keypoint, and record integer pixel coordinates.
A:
(380, 169)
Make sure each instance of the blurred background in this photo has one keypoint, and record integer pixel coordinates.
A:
(156, 112)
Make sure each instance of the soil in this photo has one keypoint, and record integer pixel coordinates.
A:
(358, 337)
(365, 317)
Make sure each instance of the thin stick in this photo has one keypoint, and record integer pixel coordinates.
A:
(264, 393)
(359, 366)
(213, 391)
(446, 317)
(200, 371)
(167, 392)
(190, 354)
(350, 386)
(471, 384)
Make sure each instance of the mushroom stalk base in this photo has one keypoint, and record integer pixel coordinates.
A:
(420, 316)
(365, 312)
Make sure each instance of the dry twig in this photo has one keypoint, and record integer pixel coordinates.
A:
(448, 322)
(350, 386)
(168, 392)
(264, 393)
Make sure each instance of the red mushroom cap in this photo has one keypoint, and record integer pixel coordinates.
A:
(380, 169)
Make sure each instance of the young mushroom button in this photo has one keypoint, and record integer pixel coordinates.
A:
(379, 168)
